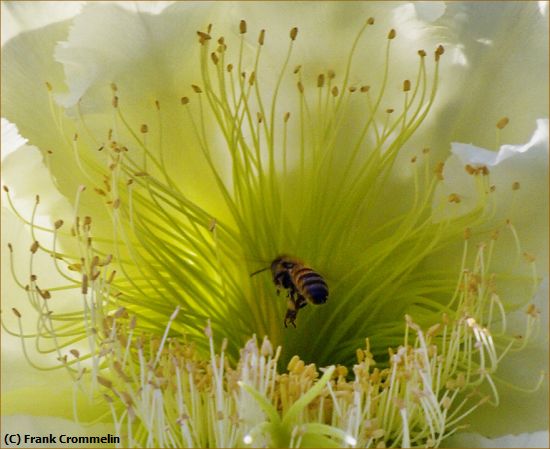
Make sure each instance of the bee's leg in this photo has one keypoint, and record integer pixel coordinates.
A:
(290, 317)
(301, 302)
(291, 312)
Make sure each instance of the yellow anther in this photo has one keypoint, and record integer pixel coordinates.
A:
(203, 37)
(242, 27)
(439, 170)
(454, 198)
(533, 311)
(439, 52)
(320, 80)
(503, 122)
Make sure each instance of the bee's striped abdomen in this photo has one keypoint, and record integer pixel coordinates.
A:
(311, 285)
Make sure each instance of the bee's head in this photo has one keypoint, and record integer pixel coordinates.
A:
(283, 262)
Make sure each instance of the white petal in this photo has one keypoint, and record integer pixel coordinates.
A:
(24, 173)
(429, 11)
(27, 64)
(470, 154)
(155, 7)
(17, 375)
(524, 440)
(506, 49)
(146, 55)
(520, 411)
(526, 164)
(11, 139)
(528, 211)
(18, 17)
(543, 7)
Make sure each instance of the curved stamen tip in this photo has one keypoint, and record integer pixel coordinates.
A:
(293, 33)
(370, 21)
(320, 80)
(196, 89)
(34, 247)
(203, 37)
(503, 122)
(438, 52)
(454, 198)
(242, 27)
(175, 313)
(392, 34)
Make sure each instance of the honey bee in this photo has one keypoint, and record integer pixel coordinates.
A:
(302, 283)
